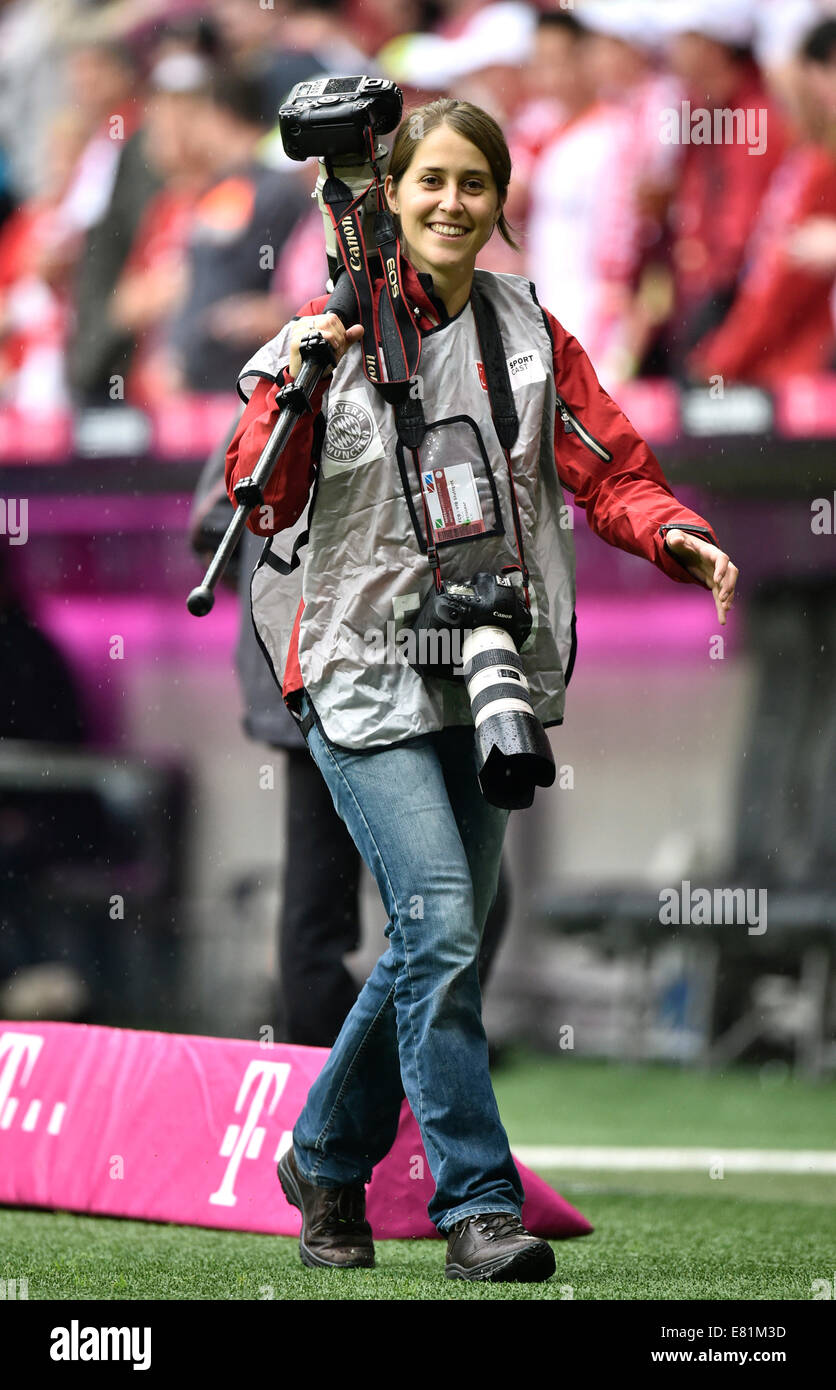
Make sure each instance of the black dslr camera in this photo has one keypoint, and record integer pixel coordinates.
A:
(332, 115)
(337, 120)
(487, 618)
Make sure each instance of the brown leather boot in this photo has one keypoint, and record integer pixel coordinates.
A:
(335, 1233)
(496, 1247)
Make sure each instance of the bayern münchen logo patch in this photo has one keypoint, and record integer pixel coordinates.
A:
(350, 432)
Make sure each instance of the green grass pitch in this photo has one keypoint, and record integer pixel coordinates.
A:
(668, 1235)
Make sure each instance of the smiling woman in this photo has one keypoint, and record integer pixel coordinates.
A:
(511, 412)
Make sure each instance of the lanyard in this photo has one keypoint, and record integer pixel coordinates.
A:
(506, 423)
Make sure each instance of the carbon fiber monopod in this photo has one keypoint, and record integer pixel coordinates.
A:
(295, 400)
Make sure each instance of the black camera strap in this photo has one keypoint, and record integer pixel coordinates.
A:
(391, 339)
(343, 211)
(503, 406)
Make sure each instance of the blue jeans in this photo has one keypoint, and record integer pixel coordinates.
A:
(434, 844)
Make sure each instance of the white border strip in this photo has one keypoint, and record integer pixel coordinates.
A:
(732, 1160)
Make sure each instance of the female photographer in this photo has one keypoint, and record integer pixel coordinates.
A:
(397, 749)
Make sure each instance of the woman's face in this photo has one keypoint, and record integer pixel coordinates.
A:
(448, 204)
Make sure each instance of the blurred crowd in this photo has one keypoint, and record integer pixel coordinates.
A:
(673, 194)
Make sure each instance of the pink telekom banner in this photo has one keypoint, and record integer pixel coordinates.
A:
(168, 1127)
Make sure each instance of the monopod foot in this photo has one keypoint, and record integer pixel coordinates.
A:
(200, 601)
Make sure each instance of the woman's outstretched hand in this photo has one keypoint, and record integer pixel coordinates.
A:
(708, 563)
(331, 329)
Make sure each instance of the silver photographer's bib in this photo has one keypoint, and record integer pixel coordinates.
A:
(364, 572)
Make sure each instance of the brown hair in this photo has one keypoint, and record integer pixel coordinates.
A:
(469, 121)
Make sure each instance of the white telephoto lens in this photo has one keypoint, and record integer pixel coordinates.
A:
(494, 674)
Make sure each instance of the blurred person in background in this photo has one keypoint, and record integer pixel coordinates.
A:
(7, 192)
(33, 35)
(256, 43)
(490, 57)
(485, 54)
(781, 321)
(153, 282)
(104, 204)
(375, 23)
(454, 17)
(322, 28)
(40, 703)
(35, 283)
(625, 61)
(241, 226)
(39, 696)
(780, 28)
(195, 33)
(583, 222)
(486, 60)
(723, 182)
(542, 114)
(813, 243)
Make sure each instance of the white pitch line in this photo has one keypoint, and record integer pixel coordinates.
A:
(732, 1160)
